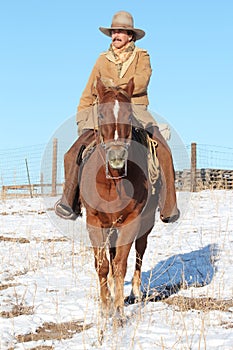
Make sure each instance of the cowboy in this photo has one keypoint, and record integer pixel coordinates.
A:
(116, 66)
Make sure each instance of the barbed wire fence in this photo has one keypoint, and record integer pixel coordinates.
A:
(215, 157)
(33, 165)
(13, 170)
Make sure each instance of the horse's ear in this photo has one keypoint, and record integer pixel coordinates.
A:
(130, 87)
(100, 87)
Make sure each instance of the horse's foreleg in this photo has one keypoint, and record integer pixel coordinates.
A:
(98, 237)
(102, 269)
(119, 272)
(140, 246)
(111, 283)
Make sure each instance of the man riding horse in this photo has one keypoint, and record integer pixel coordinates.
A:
(122, 61)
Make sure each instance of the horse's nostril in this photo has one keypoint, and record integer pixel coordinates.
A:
(124, 154)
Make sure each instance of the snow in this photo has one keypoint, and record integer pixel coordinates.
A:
(47, 273)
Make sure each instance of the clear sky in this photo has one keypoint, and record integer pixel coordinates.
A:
(48, 48)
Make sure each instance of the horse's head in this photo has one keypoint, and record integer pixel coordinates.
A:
(115, 123)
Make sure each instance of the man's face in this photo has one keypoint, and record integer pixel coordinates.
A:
(120, 38)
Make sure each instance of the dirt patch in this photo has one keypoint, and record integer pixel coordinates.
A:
(203, 304)
(8, 285)
(14, 239)
(227, 325)
(42, 347)
(25, 240)
(60, 239)
(58, 331)
(39, 212)
(17, 310)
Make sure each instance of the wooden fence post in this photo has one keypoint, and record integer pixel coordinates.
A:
(42, 183)
(193, 166)
(54, 168)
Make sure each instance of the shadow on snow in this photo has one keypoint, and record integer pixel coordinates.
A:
(193, 269)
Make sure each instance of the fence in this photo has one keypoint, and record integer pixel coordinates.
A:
(38, 170)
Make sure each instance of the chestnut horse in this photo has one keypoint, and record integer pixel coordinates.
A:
(116, 192)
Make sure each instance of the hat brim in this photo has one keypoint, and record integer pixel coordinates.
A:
(139, 33)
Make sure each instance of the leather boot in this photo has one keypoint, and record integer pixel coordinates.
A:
(69, 206)
(167, 200)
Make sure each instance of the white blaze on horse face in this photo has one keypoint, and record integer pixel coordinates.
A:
(116, 111)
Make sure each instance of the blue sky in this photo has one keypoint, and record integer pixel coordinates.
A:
(48, 48)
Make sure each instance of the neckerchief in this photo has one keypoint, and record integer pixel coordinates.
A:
(122, 55)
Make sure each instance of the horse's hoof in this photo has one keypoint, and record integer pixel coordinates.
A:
(107, 310)
(106, 314)
(119, 319)
(131, 299)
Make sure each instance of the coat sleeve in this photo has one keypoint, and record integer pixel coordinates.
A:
(142, 74)
(88, 96)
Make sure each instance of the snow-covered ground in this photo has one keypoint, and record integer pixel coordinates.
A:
(48, 281)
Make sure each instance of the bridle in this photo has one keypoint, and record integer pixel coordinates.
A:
(115, 144)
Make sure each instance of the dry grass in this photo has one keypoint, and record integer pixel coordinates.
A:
(202, 304)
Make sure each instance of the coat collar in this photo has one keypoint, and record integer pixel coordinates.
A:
(109, 55)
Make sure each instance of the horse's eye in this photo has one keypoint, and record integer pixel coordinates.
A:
(101, 116)
(130, 118)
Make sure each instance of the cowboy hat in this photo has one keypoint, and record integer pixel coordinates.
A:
(123, 20)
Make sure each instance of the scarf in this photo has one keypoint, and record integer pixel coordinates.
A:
(122, 55)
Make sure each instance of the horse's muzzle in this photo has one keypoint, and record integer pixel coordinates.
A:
(117, 156)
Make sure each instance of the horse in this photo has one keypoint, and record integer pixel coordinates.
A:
(117, 194)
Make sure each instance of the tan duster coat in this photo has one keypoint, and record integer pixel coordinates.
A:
(137, 66)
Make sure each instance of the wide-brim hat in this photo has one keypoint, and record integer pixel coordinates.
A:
(123, 20)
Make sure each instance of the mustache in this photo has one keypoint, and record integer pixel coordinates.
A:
(117, 39)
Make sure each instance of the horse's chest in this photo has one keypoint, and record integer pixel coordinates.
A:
(120, 191)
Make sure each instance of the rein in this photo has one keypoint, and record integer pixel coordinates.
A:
(153, 162)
